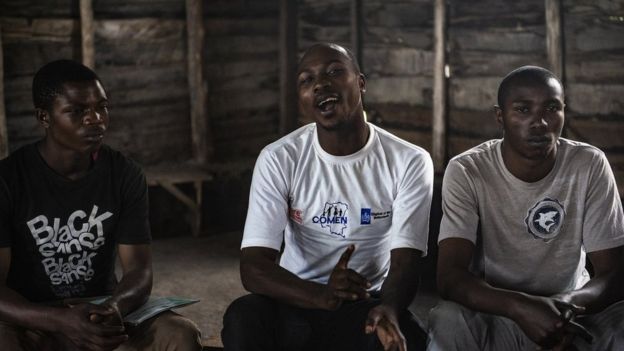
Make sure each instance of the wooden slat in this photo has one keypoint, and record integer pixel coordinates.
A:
(356, 30)
(439, 87)
(554, 41)
(177, 173)
(288, 66)
(87, 33)
(4, 136)
(201, 135)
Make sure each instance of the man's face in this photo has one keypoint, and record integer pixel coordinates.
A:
(329, 87)
(532, 118)
(78, 117)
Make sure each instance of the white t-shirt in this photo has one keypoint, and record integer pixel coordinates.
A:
(533, 236)
(318, 204)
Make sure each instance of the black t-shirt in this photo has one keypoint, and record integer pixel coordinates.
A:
(62, 233)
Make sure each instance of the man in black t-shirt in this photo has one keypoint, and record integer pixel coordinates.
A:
(68, 203)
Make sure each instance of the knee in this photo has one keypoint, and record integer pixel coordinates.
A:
(180, 331)
(447, 316)
(246, 310)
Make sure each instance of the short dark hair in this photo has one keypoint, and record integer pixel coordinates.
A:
(48, 81)
(522, 75)
(350, 55)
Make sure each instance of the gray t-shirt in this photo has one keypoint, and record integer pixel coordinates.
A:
(532, 237)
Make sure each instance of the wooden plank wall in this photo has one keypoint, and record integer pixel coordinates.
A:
(487, 39)
(29, 41)
(397, 44)
(594, 65)
(241, 62)
(140, 56)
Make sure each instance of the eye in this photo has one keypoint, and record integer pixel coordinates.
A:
(553, 108)
(335, 72)
(103, 108)
(521, 109)
(305, 80)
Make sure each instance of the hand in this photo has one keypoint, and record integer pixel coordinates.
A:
(109, 316)
(76, 325)
(383, 320)
(344, 283)
(545, 320)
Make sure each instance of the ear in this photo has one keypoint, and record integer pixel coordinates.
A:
(43, 117)
(362, 83)
(499, 116)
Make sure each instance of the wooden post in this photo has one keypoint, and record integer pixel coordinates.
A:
(439, 87)
(87, 33)
(288, 66)
(201, 136)
(4, 135)
(356, 30)
(554, 42)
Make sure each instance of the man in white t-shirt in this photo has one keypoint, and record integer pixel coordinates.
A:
(349, 203)
(520, 216)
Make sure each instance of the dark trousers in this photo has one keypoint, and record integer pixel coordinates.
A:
(256, 322)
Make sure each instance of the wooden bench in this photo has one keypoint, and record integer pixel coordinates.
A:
(168, 176)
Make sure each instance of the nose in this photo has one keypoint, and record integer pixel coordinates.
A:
(321, 83)
(92, 116)
(539, 121)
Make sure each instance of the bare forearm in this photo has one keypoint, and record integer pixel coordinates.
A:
(132, 291)
(599, 293)
(401, 284)
(15, 309)
(269, 279)
(474, 293)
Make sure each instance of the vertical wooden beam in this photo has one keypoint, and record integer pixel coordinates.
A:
(87, 33)
(554, 41)
(4, 135)
(201, 136)
(439, 87)
(356, 30)
(288, 66)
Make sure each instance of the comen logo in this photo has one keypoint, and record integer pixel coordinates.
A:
(545, 218)
(334, 218)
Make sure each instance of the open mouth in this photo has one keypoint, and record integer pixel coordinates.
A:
(94, 136)
(327, 104)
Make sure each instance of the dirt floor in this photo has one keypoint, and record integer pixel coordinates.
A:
(207, 269)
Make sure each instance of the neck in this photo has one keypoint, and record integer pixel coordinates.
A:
(67, 163)
(343, 141)
(525, 169)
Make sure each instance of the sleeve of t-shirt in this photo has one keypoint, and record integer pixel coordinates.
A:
(460, 214)
(5, 215)
(603, 223)
(412, 205)
(133, 226)
(267, 214)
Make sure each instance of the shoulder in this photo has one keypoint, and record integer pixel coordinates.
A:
(407, 152)
(580, 151)
(16, 161)
(483, 152)
(118, 162)
(288, 147)
(475, 161)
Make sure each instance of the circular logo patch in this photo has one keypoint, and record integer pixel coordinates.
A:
(545, 219)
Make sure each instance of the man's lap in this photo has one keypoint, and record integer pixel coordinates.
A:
(452, 324)
(165, 328)
(296, 328)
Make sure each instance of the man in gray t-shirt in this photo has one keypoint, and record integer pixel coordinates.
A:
(520, 216)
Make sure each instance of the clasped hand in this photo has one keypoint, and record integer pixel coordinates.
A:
(549, 322)
(93, 327)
